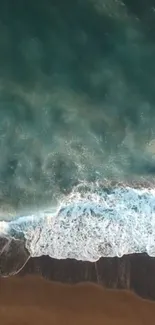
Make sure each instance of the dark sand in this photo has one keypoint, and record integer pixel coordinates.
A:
(34, 300)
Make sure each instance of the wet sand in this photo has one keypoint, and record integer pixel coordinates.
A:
(34, 300)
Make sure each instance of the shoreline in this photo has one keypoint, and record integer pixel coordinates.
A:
(133, 272)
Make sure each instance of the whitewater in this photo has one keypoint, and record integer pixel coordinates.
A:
(89, 223)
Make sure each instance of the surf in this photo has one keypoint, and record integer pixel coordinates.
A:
(92, 221)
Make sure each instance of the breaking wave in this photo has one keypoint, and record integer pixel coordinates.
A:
(91, 222)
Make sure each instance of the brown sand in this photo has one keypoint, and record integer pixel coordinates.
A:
(33, 300)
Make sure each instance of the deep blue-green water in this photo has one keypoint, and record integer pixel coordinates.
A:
(77, 100)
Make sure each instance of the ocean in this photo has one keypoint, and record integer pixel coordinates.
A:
(77, 126)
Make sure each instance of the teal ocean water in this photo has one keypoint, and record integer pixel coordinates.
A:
(77, 109)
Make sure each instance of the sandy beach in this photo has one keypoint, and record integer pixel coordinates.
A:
(34, 300)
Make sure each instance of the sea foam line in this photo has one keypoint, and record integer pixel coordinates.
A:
(92, 223)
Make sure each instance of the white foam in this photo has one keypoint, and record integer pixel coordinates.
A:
(3, 228)
(93, 223)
